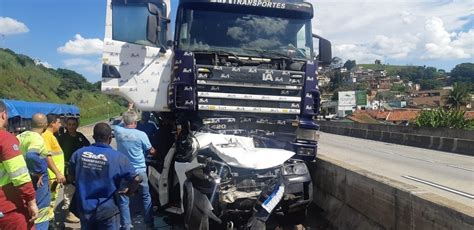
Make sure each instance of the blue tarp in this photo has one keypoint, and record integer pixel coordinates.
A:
(26, 109)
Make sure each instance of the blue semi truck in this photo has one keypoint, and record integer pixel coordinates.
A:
(238, 84)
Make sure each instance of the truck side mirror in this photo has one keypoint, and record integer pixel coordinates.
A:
(154, 23)
(325, 53)
(153, 9)
(152, 29)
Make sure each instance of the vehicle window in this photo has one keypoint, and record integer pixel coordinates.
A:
(129, 24)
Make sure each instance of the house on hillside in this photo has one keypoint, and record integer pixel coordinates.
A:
(398, 117)
(384, 83)
(402, 117)
(427, 98)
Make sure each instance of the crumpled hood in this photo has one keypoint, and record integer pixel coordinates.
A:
(241, 152)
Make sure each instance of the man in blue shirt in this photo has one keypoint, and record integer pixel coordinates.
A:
(98, 172)
(148, 127)
(135, 145)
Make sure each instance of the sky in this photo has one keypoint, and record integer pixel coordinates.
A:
(440, 33)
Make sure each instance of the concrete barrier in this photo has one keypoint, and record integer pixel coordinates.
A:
(353, 198)
(450, 140)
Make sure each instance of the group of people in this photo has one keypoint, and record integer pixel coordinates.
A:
(37, 169)
(36, 165)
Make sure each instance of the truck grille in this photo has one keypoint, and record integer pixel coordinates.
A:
(249, 90)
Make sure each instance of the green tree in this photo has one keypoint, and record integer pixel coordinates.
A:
(463, 73)
(458, 97)
(350, 64)
(429, 84)
(362, 86)
(440, 117)
(385, 96)
(399, 88)
(336, 62)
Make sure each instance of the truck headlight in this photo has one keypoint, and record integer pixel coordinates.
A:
(295, 169)
(305, 151)
(307, 134)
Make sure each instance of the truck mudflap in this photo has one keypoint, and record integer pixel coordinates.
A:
(197, 208)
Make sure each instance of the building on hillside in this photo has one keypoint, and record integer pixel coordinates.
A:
(380, 73)
(323, 80)
(396, 116)
(328, 108)
(427, 98)
(469, 115)
(470, 105)
(397, 104)
(375, 104)
(402, 117)
(384, 83)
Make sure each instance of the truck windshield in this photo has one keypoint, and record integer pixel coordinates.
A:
(244, 34)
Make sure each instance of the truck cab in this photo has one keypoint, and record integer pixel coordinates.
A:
(238, 81)
(234, 66)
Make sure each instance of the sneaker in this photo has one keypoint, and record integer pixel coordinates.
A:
(71, 218)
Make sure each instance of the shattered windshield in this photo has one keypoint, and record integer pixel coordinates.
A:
(244, 34)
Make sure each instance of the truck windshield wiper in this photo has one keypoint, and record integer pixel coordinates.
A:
(265, 53)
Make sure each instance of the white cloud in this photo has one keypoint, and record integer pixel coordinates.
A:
(9, 26)
(402, 31)
(440, 44)
(76, 62)
(394, 47)
(84, 65)
(82, 46)
(360, 53)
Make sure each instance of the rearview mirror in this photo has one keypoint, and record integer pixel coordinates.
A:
(152, 29)
(325, 53)
(153, 9)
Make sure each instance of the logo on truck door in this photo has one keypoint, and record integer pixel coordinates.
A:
(267, 76)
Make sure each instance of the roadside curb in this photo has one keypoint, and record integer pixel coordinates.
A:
(353, 198)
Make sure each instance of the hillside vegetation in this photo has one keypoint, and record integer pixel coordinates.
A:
(22, 79)
(429, 77)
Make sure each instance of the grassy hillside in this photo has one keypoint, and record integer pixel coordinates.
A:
(22, 79)
(427, 77)
(391, 69)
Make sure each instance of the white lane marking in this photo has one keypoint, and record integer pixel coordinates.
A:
(454, 166)
(461, 193)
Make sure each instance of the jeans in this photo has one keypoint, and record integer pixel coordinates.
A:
(145, 201)
(111, 223)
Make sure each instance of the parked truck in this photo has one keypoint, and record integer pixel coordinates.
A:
(238, 84)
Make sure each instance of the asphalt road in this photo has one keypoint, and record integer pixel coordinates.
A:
(399, 162)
